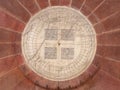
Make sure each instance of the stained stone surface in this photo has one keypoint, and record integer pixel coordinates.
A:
(67, 53)
(50, 53)
(59, 43)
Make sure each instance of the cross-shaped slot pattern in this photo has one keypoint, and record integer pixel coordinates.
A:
(59, 35)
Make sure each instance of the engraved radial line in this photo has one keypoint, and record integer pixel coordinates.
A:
(49, 2)
(82, 4)
(108, 45)
(110, 75)
(104, 19)
(24, 7)
(96, 8)
(70, 3)
(37, 4)
(107, 58)
(9, 71)
(110, 31)
(10, 56)
(11, 30)
(12, 15)
(17, 42)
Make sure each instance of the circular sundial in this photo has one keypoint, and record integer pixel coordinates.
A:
(59, 43)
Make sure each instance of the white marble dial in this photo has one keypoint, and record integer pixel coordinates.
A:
(59, 43)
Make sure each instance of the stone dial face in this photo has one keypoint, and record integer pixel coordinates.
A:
(59, 43)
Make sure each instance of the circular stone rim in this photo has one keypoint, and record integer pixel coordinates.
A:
(75, 75)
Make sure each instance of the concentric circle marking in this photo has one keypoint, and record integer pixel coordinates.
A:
(59, 43)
